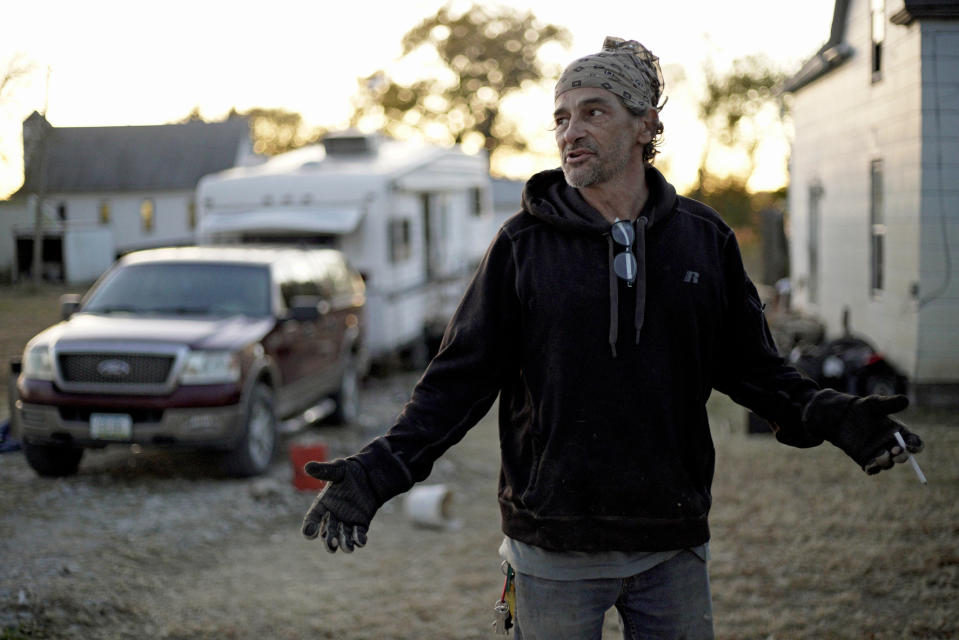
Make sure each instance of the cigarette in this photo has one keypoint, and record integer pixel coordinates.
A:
(912, 459)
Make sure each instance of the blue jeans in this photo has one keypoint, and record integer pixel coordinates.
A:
(671, 600)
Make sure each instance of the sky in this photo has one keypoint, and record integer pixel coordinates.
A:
(107, 62)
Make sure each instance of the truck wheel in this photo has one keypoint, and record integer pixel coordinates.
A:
(347, 398)
(253, 454)
(52, 461)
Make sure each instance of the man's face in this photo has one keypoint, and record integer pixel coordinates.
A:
(596, 135)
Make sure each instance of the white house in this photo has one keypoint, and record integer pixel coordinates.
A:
(413, 218)
(874, 184)
(106, 191)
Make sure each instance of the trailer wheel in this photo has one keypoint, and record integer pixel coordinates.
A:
(52, 461)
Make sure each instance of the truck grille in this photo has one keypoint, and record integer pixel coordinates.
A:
(115, 368)
(82, 414)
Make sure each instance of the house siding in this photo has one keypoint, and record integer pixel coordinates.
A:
(171, 215)
(171, 220)
(938, 349)
(843, 121)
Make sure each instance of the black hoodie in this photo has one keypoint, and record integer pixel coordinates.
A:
(604, 436)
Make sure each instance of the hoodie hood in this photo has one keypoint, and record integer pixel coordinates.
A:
(548, 197)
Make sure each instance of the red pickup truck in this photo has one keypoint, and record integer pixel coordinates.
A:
(194, 347)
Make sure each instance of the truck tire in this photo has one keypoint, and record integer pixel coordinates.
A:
(347, 398)
(254, 452)
(52, 461)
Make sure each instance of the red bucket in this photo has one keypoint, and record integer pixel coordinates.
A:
(300, 454)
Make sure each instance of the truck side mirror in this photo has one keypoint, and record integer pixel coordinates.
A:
(69, 303)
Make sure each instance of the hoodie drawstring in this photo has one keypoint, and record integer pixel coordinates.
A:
(613, 299)
(640, 282)
(640, 313)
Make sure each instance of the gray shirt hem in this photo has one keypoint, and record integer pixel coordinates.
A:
(583, 565)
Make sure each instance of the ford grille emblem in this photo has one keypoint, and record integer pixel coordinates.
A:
(113, 369)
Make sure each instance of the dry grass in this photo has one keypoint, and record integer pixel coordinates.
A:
(24, 311)
(807, 546)
(804, 544)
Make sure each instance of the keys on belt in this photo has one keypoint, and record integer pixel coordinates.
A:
(505, 607)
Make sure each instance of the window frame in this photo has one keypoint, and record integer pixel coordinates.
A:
(877, 228)
(399, 235)
(813, 244)
(877, 36)
(477, 198)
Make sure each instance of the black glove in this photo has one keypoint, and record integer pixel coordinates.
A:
(861, 427)
(342, 511)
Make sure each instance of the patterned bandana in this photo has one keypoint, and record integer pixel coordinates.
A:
(624, 67)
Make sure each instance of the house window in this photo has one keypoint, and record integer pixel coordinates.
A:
(400, 240)
(104, 212)
(147, 215)
(877, 228)
(476, 201)
(812, 243)
(428, 207)
(878, 28)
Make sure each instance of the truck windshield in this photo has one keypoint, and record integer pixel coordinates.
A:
(184, 288)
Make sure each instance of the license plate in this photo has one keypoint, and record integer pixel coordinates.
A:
(111, 426)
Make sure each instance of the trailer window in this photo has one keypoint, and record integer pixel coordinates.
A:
(476, 200)
(400, 240)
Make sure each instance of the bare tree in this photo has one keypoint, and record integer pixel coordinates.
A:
(488, 52)
(16, 71)
(276, 131)
(731, 106)
(273, 130)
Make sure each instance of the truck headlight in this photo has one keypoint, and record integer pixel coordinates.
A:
(210, 367)
(38, 363)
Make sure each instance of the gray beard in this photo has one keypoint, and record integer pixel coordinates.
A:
(602, 170)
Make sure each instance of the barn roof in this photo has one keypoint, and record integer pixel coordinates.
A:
(129, 158)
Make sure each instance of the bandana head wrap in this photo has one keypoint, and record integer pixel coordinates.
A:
(624, 67)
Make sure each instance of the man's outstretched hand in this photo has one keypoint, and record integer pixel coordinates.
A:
(342, 511)
(862, 428)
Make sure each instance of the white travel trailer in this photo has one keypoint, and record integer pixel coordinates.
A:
(414, 219)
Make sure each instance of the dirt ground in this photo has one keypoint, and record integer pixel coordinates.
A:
(152, 544)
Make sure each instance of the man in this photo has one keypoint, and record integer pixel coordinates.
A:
(602, 316)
